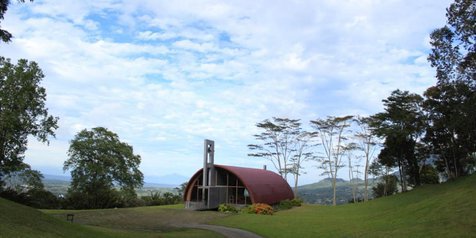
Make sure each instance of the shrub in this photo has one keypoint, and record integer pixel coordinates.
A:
(247, 210)
(226, 208)
(288, 204)
(259, 208)
(297, 202)
(285, 204)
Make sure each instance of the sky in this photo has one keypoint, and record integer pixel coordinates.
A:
(165, 75)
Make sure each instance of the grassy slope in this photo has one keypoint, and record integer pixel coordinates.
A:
(446, 210)
(21, 221)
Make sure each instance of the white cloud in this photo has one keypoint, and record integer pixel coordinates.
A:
(166, 75)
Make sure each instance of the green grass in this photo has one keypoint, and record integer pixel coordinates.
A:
(160, 219)
(21, 221)
(445, 210)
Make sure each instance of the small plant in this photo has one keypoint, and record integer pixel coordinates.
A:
(288, 204)
(247, 210)
(259, 208)
(226, 208)
(285, 204)
(297, 202)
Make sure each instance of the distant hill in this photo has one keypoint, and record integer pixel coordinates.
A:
(58, 184)
(322, 193)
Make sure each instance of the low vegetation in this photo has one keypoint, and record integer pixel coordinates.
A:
(444, 210)
(24, 222)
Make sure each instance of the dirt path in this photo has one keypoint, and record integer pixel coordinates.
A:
(226, 231)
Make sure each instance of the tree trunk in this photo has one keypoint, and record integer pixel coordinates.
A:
(366, 180)
(296, 177)
(334, 188)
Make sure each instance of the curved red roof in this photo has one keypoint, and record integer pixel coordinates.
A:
(264, 186)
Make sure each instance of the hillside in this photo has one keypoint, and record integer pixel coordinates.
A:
(322, 193)
(24, 222)
(444, 210)
(21, 221)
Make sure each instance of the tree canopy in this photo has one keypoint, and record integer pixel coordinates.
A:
(22, 112)
(99, 162)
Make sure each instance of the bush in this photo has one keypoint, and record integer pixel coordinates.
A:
(226, 208)
(387, 187)
(297, 202)
(285, 204)
(157, 198)
(37, 198)
(288, 204)
(259, 208)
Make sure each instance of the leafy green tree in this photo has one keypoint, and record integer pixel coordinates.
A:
(333, 133)
(99, 161)
(386, 187)
(24, 179)
(22, 112)
(5, 36)
(401, 125)
(450, 103)
(453, 46)
(278, 142)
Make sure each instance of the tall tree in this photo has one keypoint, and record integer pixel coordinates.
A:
(22, 112)
(333, 134)
(5, 36)
(452, 127)
(450, 103)
(303, 144)
(368, 145)
(454, 45)
(278, 142)
(401, 125)
(98, 161)
(351, 158)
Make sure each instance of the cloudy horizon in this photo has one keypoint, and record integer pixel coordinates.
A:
(165, 75)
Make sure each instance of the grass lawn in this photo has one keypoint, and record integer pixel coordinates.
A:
(21, 221)
(159, 219)
(445, 210)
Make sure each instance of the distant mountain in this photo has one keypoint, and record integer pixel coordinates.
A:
(324, 183)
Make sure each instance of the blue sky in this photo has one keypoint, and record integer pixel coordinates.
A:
(165, 75)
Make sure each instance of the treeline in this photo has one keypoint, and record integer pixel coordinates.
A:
(27, 190)
(420, 136)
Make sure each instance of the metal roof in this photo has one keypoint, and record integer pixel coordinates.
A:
(264, 186)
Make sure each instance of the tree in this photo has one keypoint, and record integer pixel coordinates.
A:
(450, 103)
(278, 142)
(387, 187)
(99, 161)
(453, 46)
(333, 134)
(368, 144)
(5, 36)
(401, 125)
(302, 153)
(350, 147)
(22, 112)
